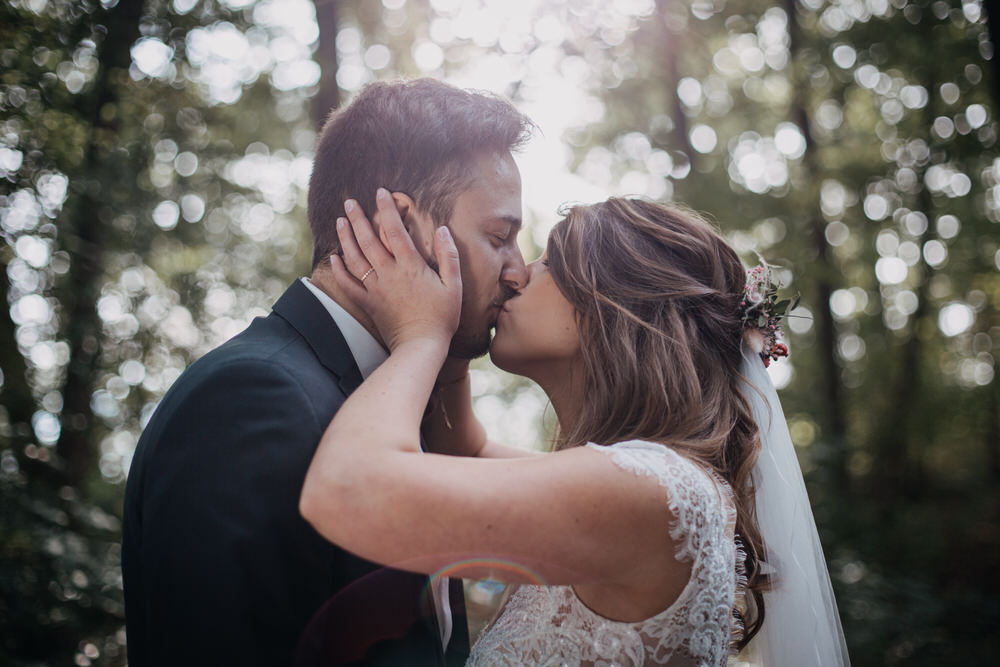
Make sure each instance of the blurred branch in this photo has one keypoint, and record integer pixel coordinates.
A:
(15, 392)
(992, 9)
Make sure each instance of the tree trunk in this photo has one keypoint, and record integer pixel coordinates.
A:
(328, 97)
(993, 430)
(832, 419)
(84, 221)
(992, 8)
(672, 47)
(899, 470)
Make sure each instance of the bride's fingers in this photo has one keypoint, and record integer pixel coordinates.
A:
(352, 287)
(391, 229)
(353, 258)
(370, 245)
(449, 266)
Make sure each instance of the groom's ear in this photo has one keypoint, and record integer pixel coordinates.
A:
(418, 224)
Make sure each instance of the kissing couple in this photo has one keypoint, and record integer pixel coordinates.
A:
(312, 491)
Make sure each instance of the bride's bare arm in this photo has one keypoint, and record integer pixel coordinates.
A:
(451, 426)
(568, 517)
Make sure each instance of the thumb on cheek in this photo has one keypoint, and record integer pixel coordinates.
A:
(447, 256)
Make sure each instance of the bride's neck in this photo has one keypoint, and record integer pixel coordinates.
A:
(566, 397)
(567, 412)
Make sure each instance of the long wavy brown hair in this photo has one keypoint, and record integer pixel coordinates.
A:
(657, 291)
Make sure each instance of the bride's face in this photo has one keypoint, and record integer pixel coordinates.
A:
(536, 332)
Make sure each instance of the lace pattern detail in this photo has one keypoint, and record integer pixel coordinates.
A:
(737, 627)
(550, 625)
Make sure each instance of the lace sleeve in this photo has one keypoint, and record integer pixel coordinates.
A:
(697, 500)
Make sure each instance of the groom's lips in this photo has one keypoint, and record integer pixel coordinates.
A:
(503, 311)
(500, 308)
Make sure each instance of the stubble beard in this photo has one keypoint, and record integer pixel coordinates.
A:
(471, 339)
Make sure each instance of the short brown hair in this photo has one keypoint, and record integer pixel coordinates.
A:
(419, 137)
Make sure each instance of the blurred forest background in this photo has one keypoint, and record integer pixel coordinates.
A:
(154, 158)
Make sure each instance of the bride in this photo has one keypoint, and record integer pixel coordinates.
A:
(670, 526)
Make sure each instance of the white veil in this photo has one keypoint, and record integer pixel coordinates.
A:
(801, 624)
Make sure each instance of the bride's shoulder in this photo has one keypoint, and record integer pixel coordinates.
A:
(651, 454)
(668, 465)
(699, 501)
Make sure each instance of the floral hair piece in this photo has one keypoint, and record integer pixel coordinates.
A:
(762, 312)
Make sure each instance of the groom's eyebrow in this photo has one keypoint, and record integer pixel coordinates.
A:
(512, 220)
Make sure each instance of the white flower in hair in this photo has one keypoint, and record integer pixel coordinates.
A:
(762, 312)
(754, 339)
(753, 294)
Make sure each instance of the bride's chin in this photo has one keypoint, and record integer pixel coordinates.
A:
(498, 355)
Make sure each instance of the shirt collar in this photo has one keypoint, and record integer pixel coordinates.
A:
(368, 353)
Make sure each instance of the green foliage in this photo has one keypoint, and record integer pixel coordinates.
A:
(135, 206)
(153, 164)
(60, 577)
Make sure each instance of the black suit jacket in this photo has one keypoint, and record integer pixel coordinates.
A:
(219, 567)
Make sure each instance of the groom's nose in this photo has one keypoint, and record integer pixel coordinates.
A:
(515, 274)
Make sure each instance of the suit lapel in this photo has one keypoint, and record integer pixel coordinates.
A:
(301, 309)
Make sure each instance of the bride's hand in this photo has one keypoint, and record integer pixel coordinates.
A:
(392, 282)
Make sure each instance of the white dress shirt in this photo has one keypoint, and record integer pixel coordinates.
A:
(369, 354)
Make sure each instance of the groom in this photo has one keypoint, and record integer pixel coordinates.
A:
(219, 567)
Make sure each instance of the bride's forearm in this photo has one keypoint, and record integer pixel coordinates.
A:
(451, 427)
(375, 425)
(372, 435)
(387, 408)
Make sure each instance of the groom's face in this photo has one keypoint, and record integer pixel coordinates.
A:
(485, 222)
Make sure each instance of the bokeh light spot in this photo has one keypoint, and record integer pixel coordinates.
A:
(955, 318)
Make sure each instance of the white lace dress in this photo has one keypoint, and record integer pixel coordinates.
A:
(549, 626)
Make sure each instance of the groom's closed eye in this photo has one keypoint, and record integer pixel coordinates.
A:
(506, 231)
